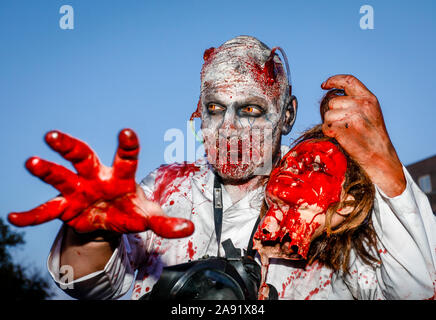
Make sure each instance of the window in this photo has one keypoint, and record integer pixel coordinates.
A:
(425, 183)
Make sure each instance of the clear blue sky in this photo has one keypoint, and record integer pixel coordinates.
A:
(137, 64)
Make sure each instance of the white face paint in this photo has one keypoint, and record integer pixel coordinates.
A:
(242, 98)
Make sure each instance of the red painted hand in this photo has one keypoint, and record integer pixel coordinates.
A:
(356, 122)
(98, 197)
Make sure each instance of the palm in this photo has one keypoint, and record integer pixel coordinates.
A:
(98, 197)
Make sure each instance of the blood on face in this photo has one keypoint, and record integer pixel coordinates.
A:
(306, 183)
(234, 75)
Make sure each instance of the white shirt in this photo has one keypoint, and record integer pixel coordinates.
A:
(405, 226)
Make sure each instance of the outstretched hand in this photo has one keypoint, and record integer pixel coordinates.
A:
(356, 122)
(98, 197)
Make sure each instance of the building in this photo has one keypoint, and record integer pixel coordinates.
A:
(424, 174)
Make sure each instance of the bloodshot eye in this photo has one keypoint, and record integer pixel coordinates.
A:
(252, 111)
(214, 108)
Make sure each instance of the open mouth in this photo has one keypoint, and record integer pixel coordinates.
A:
(231, 151)
(235, 155)
(282, 248)
(285, 234)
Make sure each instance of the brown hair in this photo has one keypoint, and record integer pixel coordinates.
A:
(356, 232)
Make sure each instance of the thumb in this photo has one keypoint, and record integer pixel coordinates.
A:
(159, 222)
(170, 227)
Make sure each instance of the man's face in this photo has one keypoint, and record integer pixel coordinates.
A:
(308, 180)
(241, 117)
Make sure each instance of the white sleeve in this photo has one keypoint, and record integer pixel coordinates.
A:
(406, 231)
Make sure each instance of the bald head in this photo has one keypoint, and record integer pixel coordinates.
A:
(245, 63)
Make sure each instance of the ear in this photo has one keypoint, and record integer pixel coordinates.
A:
(290, 115)
(340, 215)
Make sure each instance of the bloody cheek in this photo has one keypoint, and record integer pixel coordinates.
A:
(308, 180)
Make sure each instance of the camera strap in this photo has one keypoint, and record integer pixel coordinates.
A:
(218, 211)
(218, 220)
(235, 276)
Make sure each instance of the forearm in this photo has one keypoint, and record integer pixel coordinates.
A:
(87, 253)
(386, 171)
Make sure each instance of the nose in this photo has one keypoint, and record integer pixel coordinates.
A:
(229, 121)
(229, 127)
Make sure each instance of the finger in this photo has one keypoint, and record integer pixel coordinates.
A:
(64, 180)
(126, 157)
(350, 84)
(79, 153)
(328, 129)
(341, 102)
(332, 116)
(324, 105)
(336, 124)
(43, 213)
(170, 227)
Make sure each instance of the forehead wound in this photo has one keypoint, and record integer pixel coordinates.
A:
(242, 62)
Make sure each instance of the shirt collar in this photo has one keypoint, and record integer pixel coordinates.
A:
(203, 182)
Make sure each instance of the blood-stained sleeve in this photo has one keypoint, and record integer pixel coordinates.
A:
(405, 227)
(117, 276)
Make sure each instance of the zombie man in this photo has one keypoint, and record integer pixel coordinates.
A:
(114, 227)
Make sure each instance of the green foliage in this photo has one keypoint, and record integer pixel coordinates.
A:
(16, 281)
